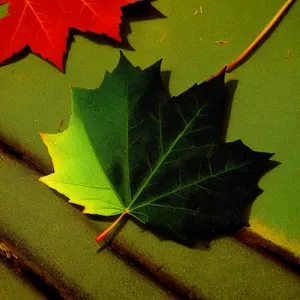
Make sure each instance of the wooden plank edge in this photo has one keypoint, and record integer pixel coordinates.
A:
(269, 249)
(31, 272)
(251, 239)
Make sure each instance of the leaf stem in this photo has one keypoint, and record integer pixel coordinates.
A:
(250, 48)
(267, 29)
(101, 236)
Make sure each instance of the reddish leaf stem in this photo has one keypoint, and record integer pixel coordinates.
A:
(101, 236)
(265, 31)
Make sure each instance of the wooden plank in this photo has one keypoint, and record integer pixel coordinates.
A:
(13, 287)
(58, 239)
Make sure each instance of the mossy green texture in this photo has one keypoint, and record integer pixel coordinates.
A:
(35, 96)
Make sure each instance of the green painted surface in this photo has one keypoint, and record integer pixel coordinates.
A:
(35, 96)
(12, 287)
(58, 237)
(226, 270)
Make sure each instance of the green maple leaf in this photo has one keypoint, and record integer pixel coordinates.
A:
(129, 149)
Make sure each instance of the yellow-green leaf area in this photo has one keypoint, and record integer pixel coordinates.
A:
(78, 173)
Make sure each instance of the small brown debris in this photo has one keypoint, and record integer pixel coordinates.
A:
(288, 55)
(163, 37)
(198, 10)
(60, 124)
(5, 251)
(222, 42)
(2, 158)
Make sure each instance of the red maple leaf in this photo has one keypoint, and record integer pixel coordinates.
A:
(44, 25)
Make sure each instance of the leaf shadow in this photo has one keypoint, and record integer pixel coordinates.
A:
(230, 89)
(138, 11)
(165, 78)
(19, 56)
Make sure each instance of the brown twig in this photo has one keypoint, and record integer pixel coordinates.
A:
(266, 30)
